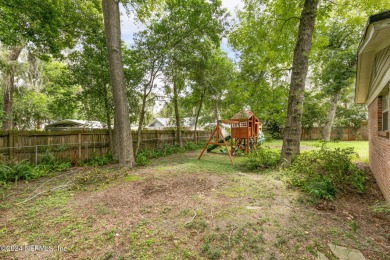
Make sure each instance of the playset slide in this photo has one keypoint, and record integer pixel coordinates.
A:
(227, 138)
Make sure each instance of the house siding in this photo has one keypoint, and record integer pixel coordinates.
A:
(379, 149)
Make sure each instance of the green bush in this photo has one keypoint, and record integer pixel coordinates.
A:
(262, 158)
(320, 188)
(15, 171)
(268, 137)
(322, 173)
(142, 159)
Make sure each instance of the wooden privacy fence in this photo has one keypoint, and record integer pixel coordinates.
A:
(75, 146)
(337, 133)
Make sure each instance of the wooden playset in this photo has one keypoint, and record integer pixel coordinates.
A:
(245, 130)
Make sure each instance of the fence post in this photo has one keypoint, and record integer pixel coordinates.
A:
(11, 143)
(36, 155)
(156, 135)
(79, 146)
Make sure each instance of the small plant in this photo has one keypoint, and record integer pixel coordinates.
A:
(98, 160)
(320, 188)
(209, 251)
(142, 159)
(199, 225)
(383, 207)
(262, 158)
(4, 187)
(353, 225)
(48, 158)
(23, 170)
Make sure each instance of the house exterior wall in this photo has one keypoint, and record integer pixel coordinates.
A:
(379, 148)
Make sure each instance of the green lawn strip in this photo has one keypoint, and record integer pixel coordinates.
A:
(360, 147)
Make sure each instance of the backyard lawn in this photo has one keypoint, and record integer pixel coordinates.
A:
(179, 207)
(360, 147)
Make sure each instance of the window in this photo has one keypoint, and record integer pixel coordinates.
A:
(385, 112)
(235, 125)
(243, 124)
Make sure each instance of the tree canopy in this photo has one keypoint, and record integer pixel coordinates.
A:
(60, 60)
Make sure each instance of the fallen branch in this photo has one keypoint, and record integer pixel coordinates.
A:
(191, 219)
(61, 187)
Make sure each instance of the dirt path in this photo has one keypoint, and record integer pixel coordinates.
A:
(182, 208)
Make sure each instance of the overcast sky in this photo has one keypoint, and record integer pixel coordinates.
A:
(129, 27)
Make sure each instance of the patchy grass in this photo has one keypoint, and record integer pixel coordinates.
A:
(179, 207)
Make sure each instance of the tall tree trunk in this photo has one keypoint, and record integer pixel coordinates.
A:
(141, 122)
(293, 127)
(146, 93)
(330, 117)
(9, 88)
(177, 115)
(198, 113)
(123, 139)
(108, 117)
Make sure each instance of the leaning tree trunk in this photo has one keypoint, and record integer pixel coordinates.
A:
(123, 151)
(293, 127)
(330, 117)
(198, 113)
(9, 88)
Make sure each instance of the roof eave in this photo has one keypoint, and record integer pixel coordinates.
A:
(366, 54)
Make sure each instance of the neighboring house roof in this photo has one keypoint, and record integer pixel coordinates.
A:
(72, 124)
(161, 122)
(170, 122)
(375, 39)
(243, 115)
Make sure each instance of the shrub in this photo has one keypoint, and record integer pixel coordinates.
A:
(193, 146)
(23, 170)
(320, 188)
(142, 159)
(15, 171)
(322, 173)
(262, 158)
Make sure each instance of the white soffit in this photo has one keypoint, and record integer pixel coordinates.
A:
(377, 37)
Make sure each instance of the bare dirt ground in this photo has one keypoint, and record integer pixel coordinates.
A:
(182, 208)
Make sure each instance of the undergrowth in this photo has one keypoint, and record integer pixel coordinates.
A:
(83, 179)
(98, 160)
(325, 172)
(262, 157)
(14, 171)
